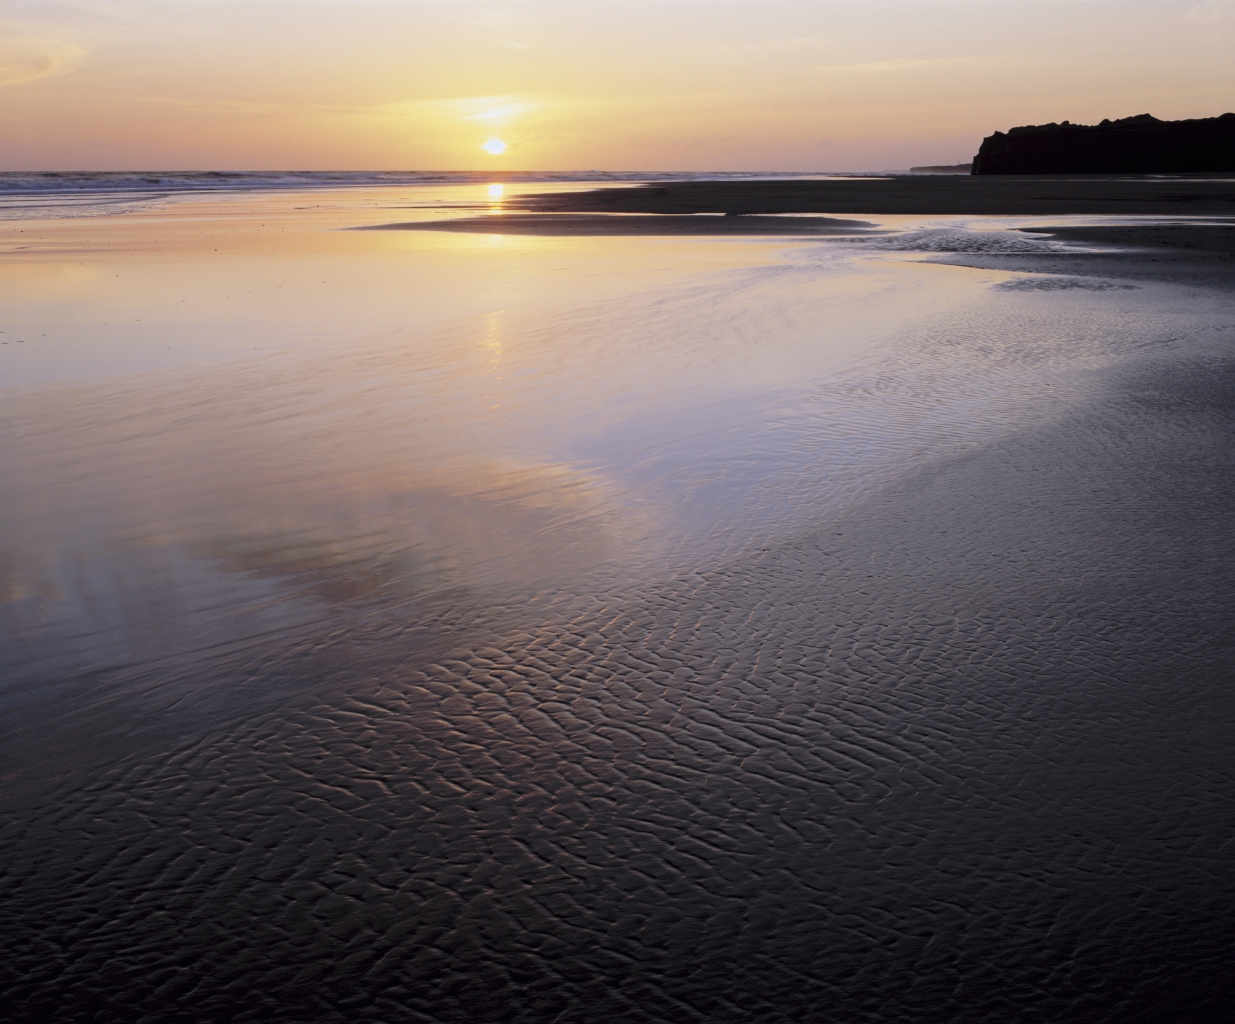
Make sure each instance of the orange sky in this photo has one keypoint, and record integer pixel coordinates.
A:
(580, 84)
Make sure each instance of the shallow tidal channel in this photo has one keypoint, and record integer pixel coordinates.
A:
(458, 628)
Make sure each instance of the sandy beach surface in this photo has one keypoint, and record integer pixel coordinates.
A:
(577, 623)
(1000, 195)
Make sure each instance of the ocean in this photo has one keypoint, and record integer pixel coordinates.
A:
(426, 626)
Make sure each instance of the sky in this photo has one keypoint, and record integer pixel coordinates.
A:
(821, 85)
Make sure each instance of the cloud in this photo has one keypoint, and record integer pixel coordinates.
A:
(1212, 11)
(27, 61)
(490, 111)
(881, 66)
(499, 112)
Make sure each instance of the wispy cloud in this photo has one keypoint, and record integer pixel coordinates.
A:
(1212, 11)
(490, 110)
(879, 67)
(499, 112)
(28, 60)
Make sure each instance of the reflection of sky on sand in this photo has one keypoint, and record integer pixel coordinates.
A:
(145, 580)
(136, 496)
(350, 424)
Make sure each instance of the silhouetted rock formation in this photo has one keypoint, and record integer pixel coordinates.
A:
(1132, 145)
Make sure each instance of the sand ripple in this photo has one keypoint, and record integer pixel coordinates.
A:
(964, 756)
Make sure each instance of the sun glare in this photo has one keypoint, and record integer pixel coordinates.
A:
(494, 146)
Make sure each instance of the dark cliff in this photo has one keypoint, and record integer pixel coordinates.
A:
(1132, 145)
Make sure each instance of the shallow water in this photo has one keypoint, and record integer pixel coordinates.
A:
(412, 626)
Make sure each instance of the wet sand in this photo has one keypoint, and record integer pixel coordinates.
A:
(825, 634)
(1193, 254)
(1199, 240)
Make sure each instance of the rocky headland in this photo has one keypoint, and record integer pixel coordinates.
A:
(1131, 145)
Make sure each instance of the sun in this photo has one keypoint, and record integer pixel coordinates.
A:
(494, 146)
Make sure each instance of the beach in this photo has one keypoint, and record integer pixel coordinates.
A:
(486, 601)
(999, 195)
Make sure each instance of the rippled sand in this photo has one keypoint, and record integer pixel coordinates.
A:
(612, 629)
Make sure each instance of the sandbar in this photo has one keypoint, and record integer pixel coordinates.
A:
(811, 208)
(1045, 195)
(637, 224)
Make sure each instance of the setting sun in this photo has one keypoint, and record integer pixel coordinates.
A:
(494, 146)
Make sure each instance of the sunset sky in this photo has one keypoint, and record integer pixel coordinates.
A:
(629, 85)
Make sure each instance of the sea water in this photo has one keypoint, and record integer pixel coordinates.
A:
(464, 627)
